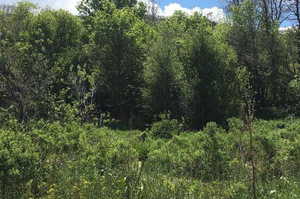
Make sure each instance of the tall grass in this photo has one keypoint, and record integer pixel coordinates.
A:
(55, 160)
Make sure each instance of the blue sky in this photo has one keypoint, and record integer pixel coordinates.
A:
(166, 7)
(210, 8)
(194, 3)
(184, 3)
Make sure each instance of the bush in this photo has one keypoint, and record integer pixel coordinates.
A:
(166, 128)
(115, 124)
(18, 163)
(72, 160)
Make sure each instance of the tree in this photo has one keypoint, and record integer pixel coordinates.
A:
(294, 8)
(40, 56)
(164, 72)
(244, 37)
(208, 64)
(13, 90)
(273, 13)
(90, 7)
(119, 40)
(256, 38)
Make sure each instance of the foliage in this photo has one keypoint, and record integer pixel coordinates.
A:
(165, 128)
(71, 87)
(118, 39)
(111, 60)
(53, 160)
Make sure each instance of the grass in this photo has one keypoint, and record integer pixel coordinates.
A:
(82, 161)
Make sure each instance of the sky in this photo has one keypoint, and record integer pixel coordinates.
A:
(213, 9)
(210, 8)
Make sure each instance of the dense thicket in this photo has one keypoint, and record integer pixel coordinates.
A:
(70, 160)
(115, 66)
(112, 62)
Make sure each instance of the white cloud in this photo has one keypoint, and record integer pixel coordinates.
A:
(283, 29)
(214, 13)
(69, 5)
(169, 10)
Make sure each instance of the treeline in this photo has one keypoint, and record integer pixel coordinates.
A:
(116, 63)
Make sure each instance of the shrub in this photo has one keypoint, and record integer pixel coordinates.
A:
(166, 128)
(18, 163)
(115, 124)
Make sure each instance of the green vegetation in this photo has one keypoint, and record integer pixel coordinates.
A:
(120, 103)
(55, 160)
(112, 62)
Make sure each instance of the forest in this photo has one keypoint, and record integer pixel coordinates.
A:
(118, 102)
